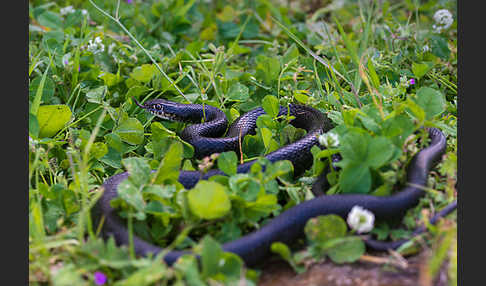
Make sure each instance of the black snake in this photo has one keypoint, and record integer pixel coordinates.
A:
(288, 226)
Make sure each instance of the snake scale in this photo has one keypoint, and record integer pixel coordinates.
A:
(211, 135)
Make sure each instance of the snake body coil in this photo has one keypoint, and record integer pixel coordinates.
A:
(289, 225)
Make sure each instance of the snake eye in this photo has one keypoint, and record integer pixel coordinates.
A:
(158, 106)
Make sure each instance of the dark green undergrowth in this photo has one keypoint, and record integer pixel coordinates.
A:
(380, 70)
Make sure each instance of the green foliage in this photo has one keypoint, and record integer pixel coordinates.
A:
(52, 118)
(284, 252)
(208, 200)
(328, 236)
(227, 162)
(353, 63)
(267, 69)
(431, 101)
(130, 130)
(270, 105)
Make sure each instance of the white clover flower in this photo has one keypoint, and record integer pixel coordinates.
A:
(96, 46)
(329, 139)
(360, 219)
(443, 20)
(425, 48)
(66, 10)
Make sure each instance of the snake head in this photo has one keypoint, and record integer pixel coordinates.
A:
(161, 108)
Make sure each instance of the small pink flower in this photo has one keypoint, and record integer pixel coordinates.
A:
(100, 278)
(412, 81)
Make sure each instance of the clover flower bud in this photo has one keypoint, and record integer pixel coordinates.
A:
(443, 20)
(329, 140)
(360, 219)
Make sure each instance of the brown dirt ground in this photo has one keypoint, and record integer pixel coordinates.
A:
(278, 273)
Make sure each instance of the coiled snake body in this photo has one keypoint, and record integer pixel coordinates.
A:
(289, 225)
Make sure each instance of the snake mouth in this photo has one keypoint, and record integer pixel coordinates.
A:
(163, 115)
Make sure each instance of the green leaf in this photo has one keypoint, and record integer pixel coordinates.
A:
(290, 134)
(231, 265)
(227, 162)
(144, 73)
(253, 145)
(188, 266)
(194, 47)
(168, 171)
(263, 206)
(96, 95)
(33, 125)
(380, 150)
(355, 178)
(130, 131)
(244, 186)
(138, 169)
(325, 227)
(238, 91)
(301, 97)
(36, 222)
(47, 89)
(282, 249)
(290, 54)
(110, 79)
(270, 105)
(98, 150)
(50, 19)
(160, 139)
(419, 70)
(210, 256)
(369, 123)
(354, 146)
(432, 101)
(162, 192)
(68, 275)
(147, 275)
(112, 158)
(228, 30)
(278, 169)
(417, 110)
(267, 137)
(114, 141)
(267, 69)
(375, 80)
(229, 231)
(52, 118)
(398, 128)
(439, 47)
(208, 200)
(345, 249)
(34, 108)
(136, 91)
(130, 193)
(74, 19)
(227, 14)
(267, 121)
